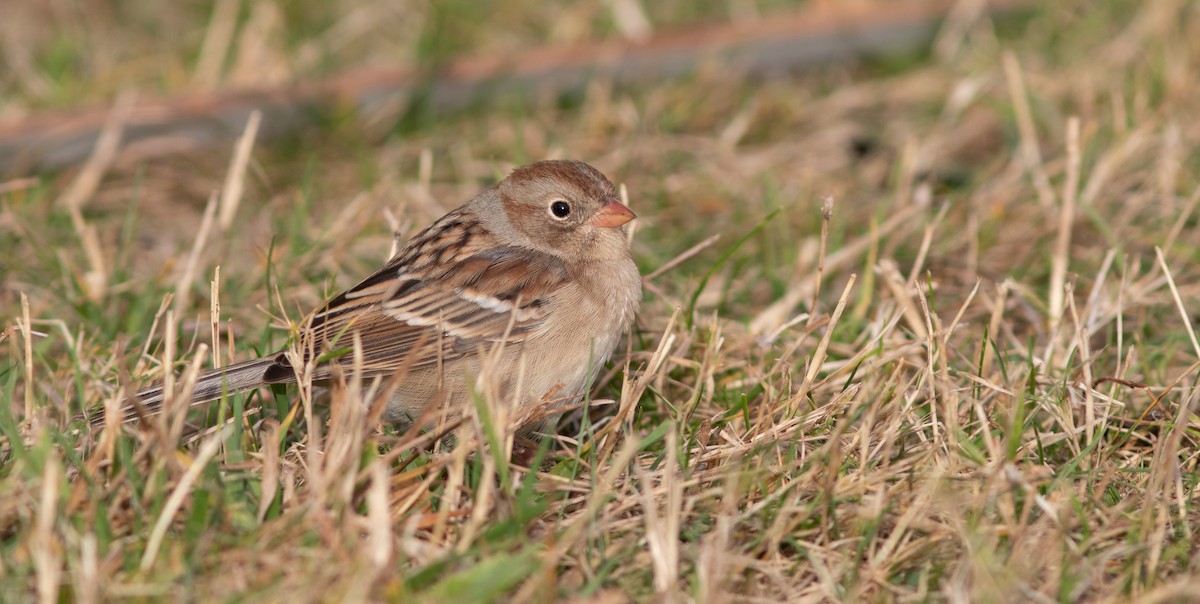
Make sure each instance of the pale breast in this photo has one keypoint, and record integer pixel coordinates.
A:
(586, 324)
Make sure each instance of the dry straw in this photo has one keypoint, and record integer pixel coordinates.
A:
(967, 380)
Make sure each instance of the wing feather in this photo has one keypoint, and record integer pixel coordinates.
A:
(476, 293)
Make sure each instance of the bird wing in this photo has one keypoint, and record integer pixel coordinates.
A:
(417, 313)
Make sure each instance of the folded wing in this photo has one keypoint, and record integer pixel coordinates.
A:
(419, 316)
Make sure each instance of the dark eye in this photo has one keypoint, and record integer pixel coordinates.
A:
(560, 209)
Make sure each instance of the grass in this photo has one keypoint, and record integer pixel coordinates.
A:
(972, 379)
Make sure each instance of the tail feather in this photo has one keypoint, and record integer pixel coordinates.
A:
(210, 386)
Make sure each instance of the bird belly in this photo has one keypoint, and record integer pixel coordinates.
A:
(555, 366)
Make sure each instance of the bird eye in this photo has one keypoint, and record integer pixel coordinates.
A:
(560, 209)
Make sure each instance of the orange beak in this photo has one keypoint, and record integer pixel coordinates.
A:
(612, 215)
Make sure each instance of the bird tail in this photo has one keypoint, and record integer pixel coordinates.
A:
(210, 386)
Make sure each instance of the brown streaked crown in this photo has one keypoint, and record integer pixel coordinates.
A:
(587, 181)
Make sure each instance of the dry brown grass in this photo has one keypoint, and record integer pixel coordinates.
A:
(970, 375)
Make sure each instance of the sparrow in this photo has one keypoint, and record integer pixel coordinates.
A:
(532, 277)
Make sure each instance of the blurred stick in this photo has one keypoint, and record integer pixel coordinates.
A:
(235, 179)
(183, 287)
(818, 35)
(100, 156)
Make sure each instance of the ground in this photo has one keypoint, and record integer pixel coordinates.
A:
(942, 348)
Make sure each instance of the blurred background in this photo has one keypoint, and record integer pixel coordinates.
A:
(993, 407)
